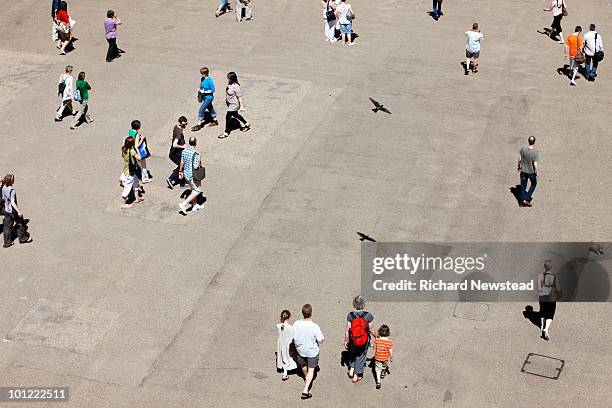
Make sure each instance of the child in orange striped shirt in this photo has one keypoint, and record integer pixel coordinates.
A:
(384, 353)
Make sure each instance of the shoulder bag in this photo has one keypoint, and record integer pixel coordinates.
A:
(564, 9)
(143, 149)
(200, 173)
(330, 15)
(580, 55)
(598, 55)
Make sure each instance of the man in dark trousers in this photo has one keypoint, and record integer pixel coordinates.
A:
(528, 168)
(176, 148)
(437, 9)
(12, 214)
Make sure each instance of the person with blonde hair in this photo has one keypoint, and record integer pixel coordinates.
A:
(65, 91)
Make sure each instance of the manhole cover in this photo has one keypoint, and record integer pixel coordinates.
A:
(543, 366)
(471, 311)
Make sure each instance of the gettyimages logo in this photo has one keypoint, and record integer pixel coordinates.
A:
(412, 265)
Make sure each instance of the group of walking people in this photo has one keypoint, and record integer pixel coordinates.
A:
(580, 48)
(73, 98)
(338, 16)
(298, 345)
(233, 101)
(189, 171)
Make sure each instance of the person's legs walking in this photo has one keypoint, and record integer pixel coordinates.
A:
(80, 114)
(533, 183)
(523, 190)
(308, 379)
(594, 69)
(112, 52)
(587, 66)
(360, 361)
(7, 230)
(241, 119)
(22, 231)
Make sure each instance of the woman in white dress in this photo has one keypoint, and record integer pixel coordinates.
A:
(284, 361)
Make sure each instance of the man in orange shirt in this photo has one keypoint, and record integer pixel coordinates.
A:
(573, 44)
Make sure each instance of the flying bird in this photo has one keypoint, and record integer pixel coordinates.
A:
(364, 237)
(379, 107)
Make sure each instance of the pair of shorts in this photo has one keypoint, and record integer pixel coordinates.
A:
(573, 63)
(346, 28)
(194, 185)
(311, 362)
(547, 310)
(380, 365)
(472, 54)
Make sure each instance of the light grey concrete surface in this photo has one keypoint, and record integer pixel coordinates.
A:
(146, 308)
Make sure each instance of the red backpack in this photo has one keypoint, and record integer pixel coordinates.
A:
(359, 330)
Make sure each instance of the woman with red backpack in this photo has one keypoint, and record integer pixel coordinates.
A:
(359, 327)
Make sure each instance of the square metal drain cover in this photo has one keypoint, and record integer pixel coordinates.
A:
(471, 311)
(63, 326)
(543, 366)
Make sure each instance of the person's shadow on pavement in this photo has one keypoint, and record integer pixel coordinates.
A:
(532, 316)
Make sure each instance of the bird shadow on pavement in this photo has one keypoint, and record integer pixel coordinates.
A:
(532, 316)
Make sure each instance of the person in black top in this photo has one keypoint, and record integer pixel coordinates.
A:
(178, 144)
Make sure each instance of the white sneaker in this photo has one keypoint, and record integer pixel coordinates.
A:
(183, 208)
(197, 207)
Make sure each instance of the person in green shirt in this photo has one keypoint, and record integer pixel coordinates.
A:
(81, 95)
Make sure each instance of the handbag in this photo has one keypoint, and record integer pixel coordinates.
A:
(200, 173)
(580, 55)
(598, 55)
(564, 9)
(200, 97)
(330, 15)
(143, 149)
(133, 167)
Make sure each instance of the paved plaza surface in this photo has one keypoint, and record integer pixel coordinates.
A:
(148, 308)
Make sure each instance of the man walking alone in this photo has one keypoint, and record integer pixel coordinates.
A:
(528, 168)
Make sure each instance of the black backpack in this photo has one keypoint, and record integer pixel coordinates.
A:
(61, 87)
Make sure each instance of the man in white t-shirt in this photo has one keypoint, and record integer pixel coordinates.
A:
(593, 44)
(472, 48)
(307, 337)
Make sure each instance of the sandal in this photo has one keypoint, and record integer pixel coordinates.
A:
(246, 128)
(306, 396)
(285, 377)
(196, 128)
(222, 136)
(126, 206)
